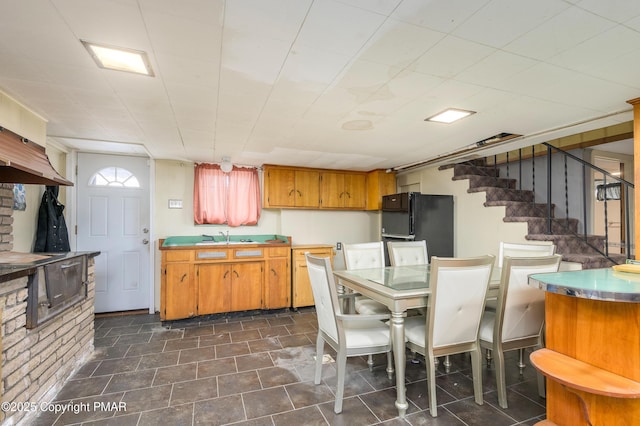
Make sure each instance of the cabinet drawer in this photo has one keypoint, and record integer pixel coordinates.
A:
(177, 255)
(248, 253)
(212, 255)
(319, 252)
(277, 251)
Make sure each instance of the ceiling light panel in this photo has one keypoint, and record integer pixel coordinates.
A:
(119, 58)
(450, 115)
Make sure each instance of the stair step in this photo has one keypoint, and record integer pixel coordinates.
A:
(568, 243)
(522, 208)
(476, 181)
(594, 261)
(504, 194)
(467, 169)
(538, 225)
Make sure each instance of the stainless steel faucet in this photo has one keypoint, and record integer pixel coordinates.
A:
(226, 236)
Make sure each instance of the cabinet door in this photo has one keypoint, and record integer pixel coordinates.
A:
(280, 189)
(278, 288)
(355, 191)
(302, 293)
(332, 194)
(307, 188)
(179, 291)
(246, 286)
(214, 288)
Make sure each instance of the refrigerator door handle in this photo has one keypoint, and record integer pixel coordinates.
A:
(399, 237)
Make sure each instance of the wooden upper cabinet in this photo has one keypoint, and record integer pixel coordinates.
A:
(298, 187)
(287, 187)
(379, 183)
(343, 190)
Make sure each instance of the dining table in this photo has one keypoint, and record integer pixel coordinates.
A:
(400, 288)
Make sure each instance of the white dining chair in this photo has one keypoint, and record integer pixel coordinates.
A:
(518, 250)
(456, 303)
(363, 256)
(407, 253)
(518, 320)
(524, 250)
(349, 335)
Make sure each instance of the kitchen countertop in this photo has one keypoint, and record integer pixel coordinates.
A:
(12, 267)
(203, 241)
(596, 284)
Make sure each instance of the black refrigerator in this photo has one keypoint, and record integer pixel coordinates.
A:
(410, 216)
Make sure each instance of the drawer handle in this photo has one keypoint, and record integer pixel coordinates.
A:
(236, 272)
(225, 274)
(183, 277)
(274, 272)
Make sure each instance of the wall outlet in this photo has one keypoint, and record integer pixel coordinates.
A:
(338, 246)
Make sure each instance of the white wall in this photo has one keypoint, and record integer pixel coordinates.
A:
(478, 229)
(25, 222)
(174, 180)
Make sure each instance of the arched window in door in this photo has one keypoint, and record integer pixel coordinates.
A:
(114, 177)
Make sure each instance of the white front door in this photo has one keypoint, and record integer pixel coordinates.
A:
(113, 218)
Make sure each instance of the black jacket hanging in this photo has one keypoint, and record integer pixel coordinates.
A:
(51, 234)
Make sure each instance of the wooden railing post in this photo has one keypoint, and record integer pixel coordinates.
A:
(636, 166)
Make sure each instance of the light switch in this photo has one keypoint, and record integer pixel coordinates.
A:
(175, 204)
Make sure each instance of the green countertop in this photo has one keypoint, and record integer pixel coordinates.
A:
(596, 284)
(217, 240)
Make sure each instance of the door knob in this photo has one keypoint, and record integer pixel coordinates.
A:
(145, 241)
(145, 230)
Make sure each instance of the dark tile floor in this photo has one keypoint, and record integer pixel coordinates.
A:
(258, 370)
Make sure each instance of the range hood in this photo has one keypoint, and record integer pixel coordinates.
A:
(24, 161)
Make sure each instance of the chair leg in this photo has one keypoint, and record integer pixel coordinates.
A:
(447, 364)
(501, 383)
(341, 364)
(319, 355)
(390, 369)
(521, 363)
(488, 357)
(370, 362)
(431, 381)
(476, 370)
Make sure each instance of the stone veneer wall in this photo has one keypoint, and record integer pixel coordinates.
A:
(37, 362)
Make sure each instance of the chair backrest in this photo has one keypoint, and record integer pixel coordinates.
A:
(458, 290)
(363, 255)
(407, 253)
(524, 250)
(324, 294)
(520, 308)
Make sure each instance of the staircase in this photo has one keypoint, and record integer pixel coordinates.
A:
(520, 207)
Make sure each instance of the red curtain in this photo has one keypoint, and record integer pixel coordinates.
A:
(232, 198)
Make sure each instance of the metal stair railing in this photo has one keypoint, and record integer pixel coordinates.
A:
(548, 151)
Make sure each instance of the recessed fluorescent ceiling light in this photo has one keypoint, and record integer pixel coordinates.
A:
(119, 58)
(450, 115)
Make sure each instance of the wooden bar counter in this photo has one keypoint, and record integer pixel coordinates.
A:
(592, 355)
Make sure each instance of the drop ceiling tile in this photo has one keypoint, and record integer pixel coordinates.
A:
(338, 28)
(616, 42)
(399, 44)
(494, 69)
(439, 16)
(618, 11)
(306, 64)
(451, 56)
(278, 20)
(501, 21)
(260, 60)
(562, 32)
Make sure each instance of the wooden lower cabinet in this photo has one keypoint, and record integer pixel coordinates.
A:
(277, 289)
(218, 280)
(179, 291)
(302, 295)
